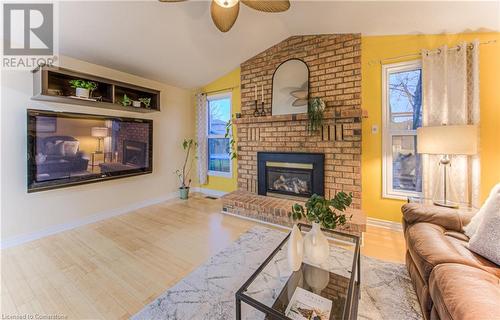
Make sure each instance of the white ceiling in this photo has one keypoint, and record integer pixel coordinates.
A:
(176, 43)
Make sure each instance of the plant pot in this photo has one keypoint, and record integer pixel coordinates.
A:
(82, 93)
(136, 104)
(316, 247)
(184, 193)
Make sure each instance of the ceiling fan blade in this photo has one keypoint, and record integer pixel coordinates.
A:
(224, 18)
(268, 5)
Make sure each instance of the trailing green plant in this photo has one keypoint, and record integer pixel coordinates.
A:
(232, 142)
(315, 109)
(184, 173)
(328, 213)
(126, 101)
(145, 101)
(83, 84)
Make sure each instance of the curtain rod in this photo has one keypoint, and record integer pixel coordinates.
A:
(419, 54)
(220, 90)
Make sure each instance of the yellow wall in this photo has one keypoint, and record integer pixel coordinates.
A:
(231, 79)
(382, 47)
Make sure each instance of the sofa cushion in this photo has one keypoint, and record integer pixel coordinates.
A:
(450, 219)
(429, 246)
(464, 292)
(486, 240)
(492, 204)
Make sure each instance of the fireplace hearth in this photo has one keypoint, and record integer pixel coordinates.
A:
(290, 175)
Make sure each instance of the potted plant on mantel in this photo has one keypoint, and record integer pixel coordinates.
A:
(83, 88)
(321, 213)
(184, 173)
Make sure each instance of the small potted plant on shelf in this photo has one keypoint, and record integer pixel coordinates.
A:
(83, 88)
(146, 102)
(184, 173)
(126, 101)
(325, 213)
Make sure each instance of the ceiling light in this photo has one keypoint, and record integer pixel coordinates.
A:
(227, 3)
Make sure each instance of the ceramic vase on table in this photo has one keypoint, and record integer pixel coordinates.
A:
(316, 247)
(295, 249)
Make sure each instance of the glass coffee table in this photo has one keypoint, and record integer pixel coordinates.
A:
(269, 290)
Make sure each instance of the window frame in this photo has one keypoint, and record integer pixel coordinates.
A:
(388, 133)
(212, 97)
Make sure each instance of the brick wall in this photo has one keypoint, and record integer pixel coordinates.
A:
(134, 132)
(334, 63)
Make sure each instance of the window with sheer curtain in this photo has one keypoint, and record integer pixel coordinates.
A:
(219, 114)
(402, 115)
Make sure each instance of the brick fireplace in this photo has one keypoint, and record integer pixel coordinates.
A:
(334, 63)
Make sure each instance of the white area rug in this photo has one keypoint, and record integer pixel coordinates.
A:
(208, 292)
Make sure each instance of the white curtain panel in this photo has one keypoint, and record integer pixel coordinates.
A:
(201, 127)
(450, 80)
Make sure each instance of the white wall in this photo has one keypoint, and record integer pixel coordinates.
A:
(24, 216)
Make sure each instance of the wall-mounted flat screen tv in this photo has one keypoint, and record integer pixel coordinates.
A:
(66, 149)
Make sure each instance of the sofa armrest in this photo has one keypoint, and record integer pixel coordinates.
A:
(450, 219)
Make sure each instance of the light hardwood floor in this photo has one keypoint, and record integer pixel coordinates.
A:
(113, 268)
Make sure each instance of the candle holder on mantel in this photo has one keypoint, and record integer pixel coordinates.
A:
(262, 111)
(256, 112)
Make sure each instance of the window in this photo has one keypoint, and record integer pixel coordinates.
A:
(219, 114)
(401, 116)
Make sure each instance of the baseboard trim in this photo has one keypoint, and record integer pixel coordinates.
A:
(396, 226)
(209, 192)
(24, 238)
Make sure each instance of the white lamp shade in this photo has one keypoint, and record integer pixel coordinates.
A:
(450, 140)
(99, 132)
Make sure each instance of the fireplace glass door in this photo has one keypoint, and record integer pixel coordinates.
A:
(289, 180)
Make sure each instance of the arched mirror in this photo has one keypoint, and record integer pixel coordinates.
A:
(290, 87)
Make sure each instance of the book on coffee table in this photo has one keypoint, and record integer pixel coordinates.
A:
(306, 305)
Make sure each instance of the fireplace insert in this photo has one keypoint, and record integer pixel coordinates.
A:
(290, 174)
(66, 149)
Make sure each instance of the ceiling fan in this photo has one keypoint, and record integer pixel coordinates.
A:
(225, 12)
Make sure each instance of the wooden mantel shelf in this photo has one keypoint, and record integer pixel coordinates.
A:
(352, 113)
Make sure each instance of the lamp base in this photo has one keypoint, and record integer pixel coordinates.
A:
(447, 204)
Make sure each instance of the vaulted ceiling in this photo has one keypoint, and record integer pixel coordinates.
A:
(176, 43)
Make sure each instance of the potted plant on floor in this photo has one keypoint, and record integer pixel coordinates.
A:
(83, 88)
(325, 213)
(184, 173)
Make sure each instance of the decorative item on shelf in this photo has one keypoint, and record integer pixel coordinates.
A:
(315, 110)
(295, 250)
(237, 115)
(100, 133)
(83, 88)
(257, 112)
(290, 88)
(184, 173)
(447, 141)
(232, 142)
(321, 212)
(262, 111)
(136, 103)
(146, 102)
(126, 101)
(54, 92)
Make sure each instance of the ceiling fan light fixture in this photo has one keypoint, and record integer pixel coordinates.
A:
(227, 3)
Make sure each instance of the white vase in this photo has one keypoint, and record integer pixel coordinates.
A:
(316, 248)
(82, 93)
(295, 249)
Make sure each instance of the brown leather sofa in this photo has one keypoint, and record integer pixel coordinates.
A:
(451, 281)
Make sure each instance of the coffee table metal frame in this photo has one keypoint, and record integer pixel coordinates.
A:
(351, 307)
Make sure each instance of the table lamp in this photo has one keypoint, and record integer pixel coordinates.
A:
(446, 141)
(100, 133)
